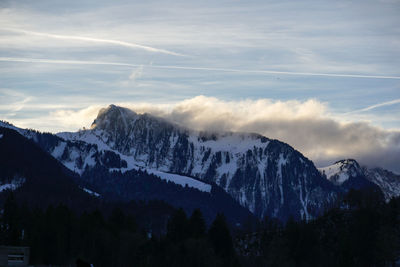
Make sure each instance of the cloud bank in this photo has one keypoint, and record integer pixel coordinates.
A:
(308, 126)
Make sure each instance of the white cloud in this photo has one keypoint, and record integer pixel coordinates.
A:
(59, 120)
(137, 73)
(306, 125)
(75, 119)
(13, 101)
(133, 77)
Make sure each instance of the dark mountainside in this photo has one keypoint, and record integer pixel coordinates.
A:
(139, 185)
(44, 180)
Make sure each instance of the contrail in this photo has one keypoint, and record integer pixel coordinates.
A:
(388, 103)
(68, 62)
(82, 62)
(97, 40)
(280, 72)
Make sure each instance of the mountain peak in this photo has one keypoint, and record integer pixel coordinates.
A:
(348, 162)
(113, 116)
(342, 170)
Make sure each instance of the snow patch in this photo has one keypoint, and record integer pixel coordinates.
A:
(13, 185)
(90, 192)
(59, 150)
(282, 161)
(171, 177)
(93, 137)
(181, 180)
(335, 173)
(232, 142)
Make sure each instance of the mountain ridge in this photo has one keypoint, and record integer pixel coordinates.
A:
(103, 182)
(267, 176)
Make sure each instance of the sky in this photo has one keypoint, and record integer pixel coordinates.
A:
(323, 76)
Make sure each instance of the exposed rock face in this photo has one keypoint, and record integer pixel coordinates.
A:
(386, 180)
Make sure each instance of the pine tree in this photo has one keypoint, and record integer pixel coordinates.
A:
(197, 225)
(11, 221)
(220, 236)
(177, 228)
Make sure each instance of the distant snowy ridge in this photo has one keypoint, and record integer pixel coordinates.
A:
(343, 170)
(10, 126)
(386, 180)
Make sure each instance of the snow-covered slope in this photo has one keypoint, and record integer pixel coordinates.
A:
(341, 171)
(386, 180)
(77, 154)
(108, 179)
(266, 176)
(94, 138)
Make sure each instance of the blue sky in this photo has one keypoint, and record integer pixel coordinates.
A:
(66, 59)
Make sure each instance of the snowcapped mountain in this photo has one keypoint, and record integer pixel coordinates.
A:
(266, 176)
(341, 171)
(100, 174)
(89, 152)
(386, 180)
(123, 153)
(345, 172)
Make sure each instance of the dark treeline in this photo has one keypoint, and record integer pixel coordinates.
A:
(364, 231)
(59, 236)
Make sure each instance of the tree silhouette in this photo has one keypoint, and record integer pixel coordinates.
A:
(177, 228)
(197, 225)
(220, 236)
(11, 221)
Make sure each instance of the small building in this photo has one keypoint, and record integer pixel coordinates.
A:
(14, 256)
